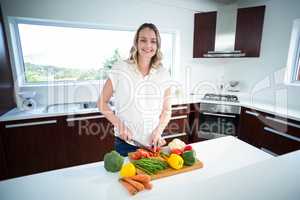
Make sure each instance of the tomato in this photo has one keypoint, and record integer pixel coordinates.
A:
(136, 156)
(176, 151)
(144, 153)
(188, 148)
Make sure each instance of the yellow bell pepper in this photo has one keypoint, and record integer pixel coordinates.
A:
(128, 170)
(175, 161)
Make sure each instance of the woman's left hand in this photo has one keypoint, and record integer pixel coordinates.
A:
(156, 139)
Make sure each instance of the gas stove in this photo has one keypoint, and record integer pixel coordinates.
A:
(220, 97)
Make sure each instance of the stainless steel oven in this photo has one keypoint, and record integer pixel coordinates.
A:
(217, 120)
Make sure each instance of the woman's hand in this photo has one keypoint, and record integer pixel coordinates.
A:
(156, 139)
(125, 133)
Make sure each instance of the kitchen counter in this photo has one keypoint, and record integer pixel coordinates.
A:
(227, 160)
(16, 114)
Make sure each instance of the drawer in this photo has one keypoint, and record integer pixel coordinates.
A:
(177, 124)
(284, 125)
(180, 110)
(279, 142)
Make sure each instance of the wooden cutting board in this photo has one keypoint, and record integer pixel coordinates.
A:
(170, 172)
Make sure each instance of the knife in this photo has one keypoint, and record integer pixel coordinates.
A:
(140, 145)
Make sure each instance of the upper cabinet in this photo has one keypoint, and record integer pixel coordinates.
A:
(248, 33)
(249, 28)
(204, 33)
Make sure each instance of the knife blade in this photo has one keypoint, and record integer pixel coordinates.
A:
(140, 145)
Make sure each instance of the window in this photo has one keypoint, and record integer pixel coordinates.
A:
(293, 64)
(59, 52)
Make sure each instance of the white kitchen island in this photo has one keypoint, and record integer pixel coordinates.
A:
(232, 170)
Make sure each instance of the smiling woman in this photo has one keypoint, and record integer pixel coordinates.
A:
(63, 52)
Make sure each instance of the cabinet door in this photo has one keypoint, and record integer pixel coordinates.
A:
(2, 160)
(87, 139)
(177, 127)
(250, 127)
(281, 135)
(33, 146)
(204, 33)
(249, 30)
(6, 79)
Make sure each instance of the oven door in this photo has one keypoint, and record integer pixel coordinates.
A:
(213, 125)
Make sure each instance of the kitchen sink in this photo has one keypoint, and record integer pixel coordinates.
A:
(72, 107)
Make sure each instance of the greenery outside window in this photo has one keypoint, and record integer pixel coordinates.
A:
(60, 52)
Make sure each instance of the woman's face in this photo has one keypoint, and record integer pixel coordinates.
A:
(147, 43)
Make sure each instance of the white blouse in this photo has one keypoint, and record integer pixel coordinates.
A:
(139, 99)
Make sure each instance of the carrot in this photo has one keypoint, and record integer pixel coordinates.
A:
(147, 185)
(137, 185)
(128, 187)
(143, 178)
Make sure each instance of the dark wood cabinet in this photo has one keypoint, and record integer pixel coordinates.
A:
(33, 146)
(280, 135)
(251, 126)
(87, 138)
(204, 33)
(271, 133)
(177, 127)
(37, 145)
(6, 79)
(3, 170)
(249, 29)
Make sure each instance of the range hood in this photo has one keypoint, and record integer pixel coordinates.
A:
(225, 33)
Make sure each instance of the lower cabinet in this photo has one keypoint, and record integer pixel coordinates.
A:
(38, 145)
(273, 134)
(251, 127)
(3, 169)
(33, 146)
(87, 139)
(280, 135)
(177, 127)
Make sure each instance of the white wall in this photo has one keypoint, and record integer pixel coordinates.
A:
(253, 73)
(263, 76)
(170, 15)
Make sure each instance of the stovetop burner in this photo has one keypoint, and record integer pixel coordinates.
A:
(220, 97)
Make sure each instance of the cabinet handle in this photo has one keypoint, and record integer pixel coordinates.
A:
(180, 107)
(270, 130)
(252, 113)
(268, 151)
(179, 117)
(83, 118)
(31, 124)
(283, 122)
(219, 115)
(173, 135)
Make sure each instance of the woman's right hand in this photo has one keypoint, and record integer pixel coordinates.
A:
(125, 133)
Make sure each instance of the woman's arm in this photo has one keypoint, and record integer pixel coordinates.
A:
(164, 119)
(102, 104)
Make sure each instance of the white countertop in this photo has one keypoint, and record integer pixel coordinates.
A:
(222, 156)
(16, 114)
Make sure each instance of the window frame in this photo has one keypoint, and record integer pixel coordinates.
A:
(18, 53)
(293, 62)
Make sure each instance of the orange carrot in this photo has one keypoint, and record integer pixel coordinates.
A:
(137, 185)
(128, 187)
(143, 178)
(147, 185)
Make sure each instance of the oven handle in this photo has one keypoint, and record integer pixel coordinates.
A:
(219, 115)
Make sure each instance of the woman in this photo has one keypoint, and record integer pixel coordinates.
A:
(141, 93)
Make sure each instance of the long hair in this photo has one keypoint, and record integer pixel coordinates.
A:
(156, 59)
